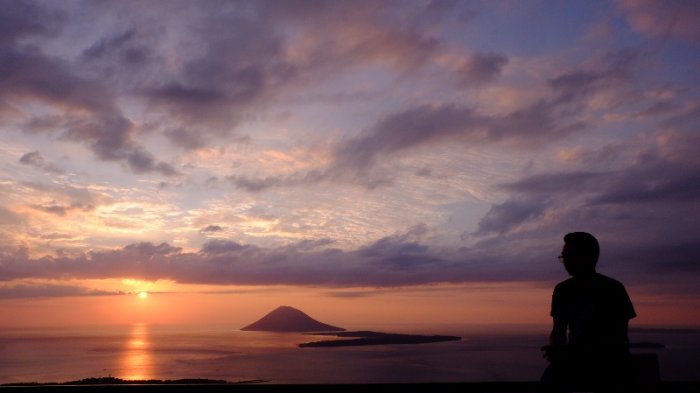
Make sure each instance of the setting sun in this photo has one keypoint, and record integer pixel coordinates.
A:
(143, 295)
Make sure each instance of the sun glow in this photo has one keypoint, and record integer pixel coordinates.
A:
(143, 295)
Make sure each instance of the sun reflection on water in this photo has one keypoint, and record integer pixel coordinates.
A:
(137, 362)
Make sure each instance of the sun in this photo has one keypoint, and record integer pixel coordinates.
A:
(143, 295)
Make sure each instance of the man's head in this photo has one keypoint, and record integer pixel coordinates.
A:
(580, 253)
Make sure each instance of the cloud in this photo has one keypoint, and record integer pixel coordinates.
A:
(543, 121)
(614, 71)
(120, 48)
(76, 195)
(89, 113)
(423, 125)
(33, 158)
(481, 68)
(238, 63)
(19, 19)
(8, 217)
(246, 61)
(391, 261)
(211, 229)
(56, 198)
(663, 173)
(18, 291)
(30, 75)
(243, 61)
(111, 139)
(103, 129)
(564, 108)
(63, 210)
(224, 247)
(36, 160)
(57, 236)
(558, 182)
(661, 183)
(640, 210)
(426, 125)
(676, 18)
(253, 184)
(509, 214)
(349, 294)
(408, 128)
(186, 139)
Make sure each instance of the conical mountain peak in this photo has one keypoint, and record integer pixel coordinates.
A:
(289, 319)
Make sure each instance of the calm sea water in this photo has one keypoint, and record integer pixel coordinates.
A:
(160, 352)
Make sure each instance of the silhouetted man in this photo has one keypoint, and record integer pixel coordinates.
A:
(588, 343)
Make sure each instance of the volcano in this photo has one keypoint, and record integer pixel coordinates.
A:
(289, 319)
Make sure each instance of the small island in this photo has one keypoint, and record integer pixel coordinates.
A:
(289, 319)
(375, 338)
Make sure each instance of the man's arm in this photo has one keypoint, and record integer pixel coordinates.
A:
(557, 340)
(557, 337)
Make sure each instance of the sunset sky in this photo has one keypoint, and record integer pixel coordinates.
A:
(366, 162)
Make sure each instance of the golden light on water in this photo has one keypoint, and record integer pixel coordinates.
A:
(143, 295)
(137, 362)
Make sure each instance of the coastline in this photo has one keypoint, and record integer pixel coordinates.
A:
(242, 387)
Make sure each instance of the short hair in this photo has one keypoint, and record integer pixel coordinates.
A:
(586, 245)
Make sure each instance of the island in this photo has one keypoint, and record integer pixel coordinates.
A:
(289, 319)
(365, 337)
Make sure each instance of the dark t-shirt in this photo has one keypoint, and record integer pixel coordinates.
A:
(596, 310)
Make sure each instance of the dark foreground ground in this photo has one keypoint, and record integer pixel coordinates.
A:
(476, 387)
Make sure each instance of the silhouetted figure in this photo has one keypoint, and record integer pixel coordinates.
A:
(588, 345)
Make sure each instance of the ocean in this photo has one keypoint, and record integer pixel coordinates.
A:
(174, 352)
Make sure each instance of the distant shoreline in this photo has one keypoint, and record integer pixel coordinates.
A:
(96, 381)
(110, 384)
(375, 338)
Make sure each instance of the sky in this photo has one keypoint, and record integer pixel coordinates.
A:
(365, 161)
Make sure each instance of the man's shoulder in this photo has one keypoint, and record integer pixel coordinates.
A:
(599, 280)
(564, 285)
(609, 281)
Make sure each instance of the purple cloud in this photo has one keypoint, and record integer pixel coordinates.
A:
(8, 217)
(211, 229)
(504, 217)
(49, 290)
(19, 19)
(36, 160)
(63, 210)
(663, 19)
(391, 261)
(614, 71)
(29, 75)
(481, 68)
